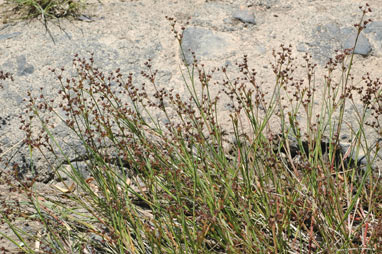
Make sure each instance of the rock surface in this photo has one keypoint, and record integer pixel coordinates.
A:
(245, 16)
(205, 44)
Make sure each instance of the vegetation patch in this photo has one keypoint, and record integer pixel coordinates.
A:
(44, 9)
(167, 183)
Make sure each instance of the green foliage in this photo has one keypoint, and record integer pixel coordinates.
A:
(48, 8)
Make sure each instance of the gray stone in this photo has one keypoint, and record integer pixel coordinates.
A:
(378, 36)
(81, 168)
(325, 42)
(374, 27)
(9, 36)
(330, 37)
(301, 47)
(363, 46)
(332, 29)
(23, 68)
(245, 16)
(346, 32)
(203, 42)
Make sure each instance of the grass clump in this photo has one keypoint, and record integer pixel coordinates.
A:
(166, 177)
(47, 8)
(43, 9)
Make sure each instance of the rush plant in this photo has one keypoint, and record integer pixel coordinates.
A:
(166, 177)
